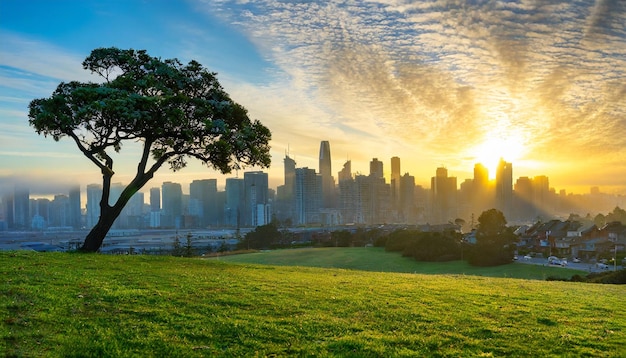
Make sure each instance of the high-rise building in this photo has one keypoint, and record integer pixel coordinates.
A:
(346, 171)
(325, 170)
(256, 208)
(94, 195)
(290, 177)
(523, 200)
(172, 198)
(41, 213)
(307, 196)
(235, 199)
(21, 208)
(407, 205)
(395, 182)
(376, 168)
(75, 207)
(444, 197)
(285, 200)
(155, 207)
(541, 195)
(155, 199)
(60, 211)
(481, 197)
(133, 212)
(203, 202)
(349, 199)
(504, 188)
(115, 192)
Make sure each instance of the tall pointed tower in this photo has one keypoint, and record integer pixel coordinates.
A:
(325, 170)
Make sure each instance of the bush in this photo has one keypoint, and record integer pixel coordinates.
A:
(610, 277)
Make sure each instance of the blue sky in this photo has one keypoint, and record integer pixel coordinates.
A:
(449, 83)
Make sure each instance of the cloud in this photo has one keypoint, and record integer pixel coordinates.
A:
(18, 52)
(445, 74)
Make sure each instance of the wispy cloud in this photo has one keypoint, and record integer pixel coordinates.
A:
(35, 57)
(448, 73)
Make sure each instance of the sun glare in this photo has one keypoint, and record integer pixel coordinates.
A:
(493, 149)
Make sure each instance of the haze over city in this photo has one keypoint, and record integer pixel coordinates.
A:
(436, 83)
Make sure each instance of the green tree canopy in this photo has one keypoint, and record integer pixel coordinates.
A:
(495, 242)
(176, 111)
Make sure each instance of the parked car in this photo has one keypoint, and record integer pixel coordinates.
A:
(576, 260)
(528, 257)
(602, 266)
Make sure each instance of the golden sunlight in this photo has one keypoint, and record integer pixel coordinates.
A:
(493, 148)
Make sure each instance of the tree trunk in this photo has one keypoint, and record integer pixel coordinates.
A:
(96, 236)
(108, 214)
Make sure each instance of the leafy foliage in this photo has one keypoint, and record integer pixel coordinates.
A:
(262, 237)
(425, 246)
(494, 240)
(176, 111)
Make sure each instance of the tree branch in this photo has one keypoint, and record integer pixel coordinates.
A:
(90, 155)
(141, 168)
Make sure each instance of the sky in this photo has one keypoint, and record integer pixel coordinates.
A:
(539, 83)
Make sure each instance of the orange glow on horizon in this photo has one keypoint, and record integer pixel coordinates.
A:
(495, 148)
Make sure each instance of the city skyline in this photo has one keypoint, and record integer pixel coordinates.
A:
(540, 84)
(373, 165)
(358, 198)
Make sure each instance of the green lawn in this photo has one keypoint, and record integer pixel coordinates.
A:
(378, 260)
(76, 305)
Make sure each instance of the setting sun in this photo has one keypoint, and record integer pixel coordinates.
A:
(493, 148)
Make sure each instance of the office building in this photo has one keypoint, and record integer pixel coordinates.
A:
(256, 210)
(325, 170)
(504, 188)
(307, 196)
(94, 195)
(172, 209)
(235, 199)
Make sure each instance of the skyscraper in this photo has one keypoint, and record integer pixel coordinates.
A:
(444, 197)
(172, 204)
(308, 188)
(395, 182)
(376, 168)
(94, 195)
(75, 211)
(235, 198)
(60, 211)
(481, 198)
(203, 201)
(155, 207)
(504, 188)
(346, 172)
(256, 206)
(155, 200)
(285, 201)
(21, 208)
(325, 170)
(290, 177)
(408, 209)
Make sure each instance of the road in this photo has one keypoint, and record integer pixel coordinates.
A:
(583, 266)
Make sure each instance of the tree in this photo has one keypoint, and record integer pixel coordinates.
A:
(494, 240)
(175, 111)
(262, 237)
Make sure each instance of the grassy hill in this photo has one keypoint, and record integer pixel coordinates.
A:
(61, 304)
(379, 260)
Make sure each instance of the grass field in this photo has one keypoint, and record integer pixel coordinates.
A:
(378, 260)
(76, 305)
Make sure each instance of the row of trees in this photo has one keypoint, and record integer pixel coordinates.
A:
(495, 243)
